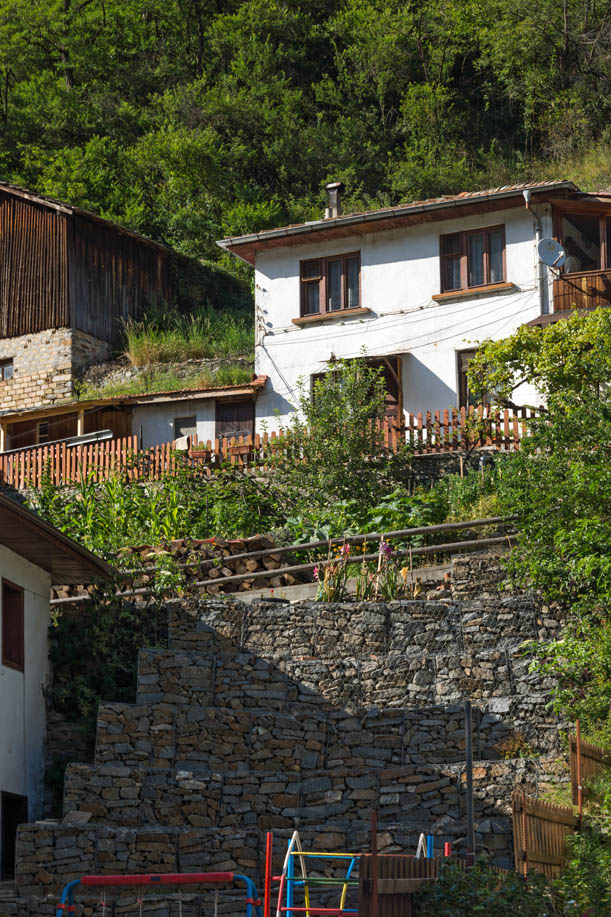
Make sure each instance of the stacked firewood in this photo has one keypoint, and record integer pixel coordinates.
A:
(207, 563)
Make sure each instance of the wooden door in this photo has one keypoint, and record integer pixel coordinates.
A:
(393, 400)
(234, 418)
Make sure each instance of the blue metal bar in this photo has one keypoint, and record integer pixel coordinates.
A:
(66, 902)
(430, 846)
(290, 872)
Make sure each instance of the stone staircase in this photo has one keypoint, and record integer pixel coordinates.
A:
(278, 716)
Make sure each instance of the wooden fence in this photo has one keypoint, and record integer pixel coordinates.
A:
(540, 830)
(593, 761)
(423, 433)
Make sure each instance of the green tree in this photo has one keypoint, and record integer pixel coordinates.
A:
(559, 487)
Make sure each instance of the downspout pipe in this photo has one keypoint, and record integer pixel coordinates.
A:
(541, 270)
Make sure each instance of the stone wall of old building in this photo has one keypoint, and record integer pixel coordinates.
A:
(46, 366)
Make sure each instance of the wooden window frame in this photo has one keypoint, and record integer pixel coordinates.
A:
(464, 259)
(322, 285)
(4, 364)
(19, 666)
(605, 244)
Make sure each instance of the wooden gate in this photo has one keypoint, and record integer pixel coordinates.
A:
(398, 879)
(540, 830)
(593, 761)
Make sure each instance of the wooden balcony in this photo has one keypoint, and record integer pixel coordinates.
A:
(582, 291)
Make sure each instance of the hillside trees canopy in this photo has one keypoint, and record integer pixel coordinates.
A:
(192, 119)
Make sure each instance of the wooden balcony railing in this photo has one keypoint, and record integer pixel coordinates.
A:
(582, 291)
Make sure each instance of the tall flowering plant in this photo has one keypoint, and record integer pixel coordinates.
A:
(332, 578)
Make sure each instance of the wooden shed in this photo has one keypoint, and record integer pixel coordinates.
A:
(62, 267)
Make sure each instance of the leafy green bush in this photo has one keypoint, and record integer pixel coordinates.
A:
(482, 890)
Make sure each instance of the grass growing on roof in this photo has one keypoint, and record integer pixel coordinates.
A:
(168, 336)
(168, 380)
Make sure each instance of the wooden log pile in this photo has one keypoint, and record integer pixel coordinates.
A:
(206, 561)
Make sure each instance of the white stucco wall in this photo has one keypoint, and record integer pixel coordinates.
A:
(22, 707)
(154, 423)
(400, 272)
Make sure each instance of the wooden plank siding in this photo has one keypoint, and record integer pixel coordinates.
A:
(588, 290)
(60, 267)
(33, 267)
(112, 277)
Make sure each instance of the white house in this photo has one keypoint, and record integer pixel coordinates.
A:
(416, 286)
(33, 555)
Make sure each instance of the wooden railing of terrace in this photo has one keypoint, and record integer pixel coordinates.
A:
(430, 432)
(588, 290)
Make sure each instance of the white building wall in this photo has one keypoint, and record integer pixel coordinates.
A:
(400, 272)
(154, 423)
(22, 706)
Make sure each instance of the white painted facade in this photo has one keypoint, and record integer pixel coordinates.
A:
(154, 423)
(400, 273)
(22, 705)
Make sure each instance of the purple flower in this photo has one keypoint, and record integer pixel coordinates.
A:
(315, 573)
(386, 548)
(346, 549)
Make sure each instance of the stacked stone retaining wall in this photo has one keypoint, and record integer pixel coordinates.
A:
(309, 716)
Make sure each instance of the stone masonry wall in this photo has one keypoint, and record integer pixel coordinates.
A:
(46, 365)
(272, 716)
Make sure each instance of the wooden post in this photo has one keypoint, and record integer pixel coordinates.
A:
(469, 770)
(2, 437)
(267, 897)
(375, 909)
(80, 422)
(579, 787)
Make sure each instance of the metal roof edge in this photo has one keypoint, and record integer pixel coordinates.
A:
(375, 215)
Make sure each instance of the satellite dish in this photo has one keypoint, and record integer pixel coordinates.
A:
(551, 253)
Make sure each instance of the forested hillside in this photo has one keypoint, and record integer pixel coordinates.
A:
(193, 119)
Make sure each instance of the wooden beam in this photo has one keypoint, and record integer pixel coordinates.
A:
(80, 422)
(3, 437)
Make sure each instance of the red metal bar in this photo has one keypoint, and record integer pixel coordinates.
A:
(170, 878)
(267, 892)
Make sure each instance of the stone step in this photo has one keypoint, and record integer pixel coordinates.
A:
(139, 797)
(48, 856)
(225, 740)
(279, 630)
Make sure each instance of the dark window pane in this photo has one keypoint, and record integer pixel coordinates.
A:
(581, 240)
(6, 369)
(476, 259)
(12, 626)
(450, 245)
(334, 286)
(185, 426)
(310, 270)
(495, 248)
(312, 298)
(352, 282)
(451, 274)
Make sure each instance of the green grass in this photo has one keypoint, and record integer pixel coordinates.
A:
(171, 336)
(167, 380)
